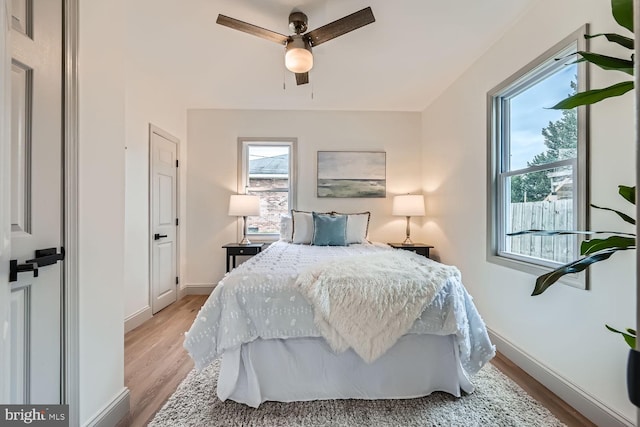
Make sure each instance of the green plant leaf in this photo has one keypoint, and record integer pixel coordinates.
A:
(592, 96)
(550, 232)
(629, 193)
(629, 338)
(543, 282)
(622, 11)
(614, 38)
(575, 61)
(632, 331)
(608, 62)
(592, 246)
(564, 232)
(624, 216)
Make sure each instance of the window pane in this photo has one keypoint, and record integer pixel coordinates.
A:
(538, 162)
(272, 206)
(543, 201)
(268, 179)
(538, 135)
(268, 160)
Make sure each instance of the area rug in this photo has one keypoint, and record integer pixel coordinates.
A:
(497, 401)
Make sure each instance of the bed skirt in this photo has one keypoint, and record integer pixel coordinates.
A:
(301, 369)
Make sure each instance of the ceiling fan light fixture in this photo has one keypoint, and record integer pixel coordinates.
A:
(298, 58)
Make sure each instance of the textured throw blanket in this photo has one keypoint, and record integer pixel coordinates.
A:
(368, 302)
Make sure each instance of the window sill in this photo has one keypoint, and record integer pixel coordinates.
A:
(577, 280)
(263, 238)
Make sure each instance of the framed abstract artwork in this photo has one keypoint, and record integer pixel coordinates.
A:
(343, 174)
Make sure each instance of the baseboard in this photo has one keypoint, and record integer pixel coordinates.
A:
(583, 402)
(182, 291)
(199, 288)
(137, 319)
(112, 413)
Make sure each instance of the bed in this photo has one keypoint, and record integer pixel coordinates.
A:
(263, 323)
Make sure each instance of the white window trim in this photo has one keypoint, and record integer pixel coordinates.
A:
(495, 156)
(243, 167)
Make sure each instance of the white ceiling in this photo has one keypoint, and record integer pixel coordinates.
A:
(401, 62)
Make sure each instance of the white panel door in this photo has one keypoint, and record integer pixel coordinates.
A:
(164, 220)
(36, 201)
(5, 201)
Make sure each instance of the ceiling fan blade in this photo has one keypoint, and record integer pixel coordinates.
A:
(302, 78)
(252, 29)
(341, 26)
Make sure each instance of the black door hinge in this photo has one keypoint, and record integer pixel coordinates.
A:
(177, 222)
(176, 163)
(177, 280)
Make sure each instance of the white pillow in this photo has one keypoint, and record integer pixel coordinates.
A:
(357, 227)
(302, 227)
(286, 228)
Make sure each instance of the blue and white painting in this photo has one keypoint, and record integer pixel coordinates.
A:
(352, 174)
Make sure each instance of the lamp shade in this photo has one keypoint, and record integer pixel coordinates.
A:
(298, 57)
(408, 205)
(244, 205)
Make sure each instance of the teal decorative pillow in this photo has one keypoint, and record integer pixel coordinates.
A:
(329, 230)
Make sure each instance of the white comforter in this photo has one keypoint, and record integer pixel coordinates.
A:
(259, 299)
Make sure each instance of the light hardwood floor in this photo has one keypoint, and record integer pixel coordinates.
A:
(155, 363)
(154, 360)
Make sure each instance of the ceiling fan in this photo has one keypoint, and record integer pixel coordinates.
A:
(298, 57)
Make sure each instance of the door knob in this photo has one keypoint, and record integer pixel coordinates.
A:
(47, 256)
(15, 268)
(158, 236)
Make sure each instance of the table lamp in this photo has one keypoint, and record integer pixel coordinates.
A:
(244, 205)
(408, 205)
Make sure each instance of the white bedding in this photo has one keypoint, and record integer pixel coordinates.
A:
(300, 369)
(259, 300)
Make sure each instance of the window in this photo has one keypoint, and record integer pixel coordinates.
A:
(267, 170)
(537, 162)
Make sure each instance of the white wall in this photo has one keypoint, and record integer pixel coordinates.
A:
(212, 174)
(101, 204)
(148, 100)
(563, 329)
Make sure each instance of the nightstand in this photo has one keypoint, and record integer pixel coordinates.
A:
(419, 248)
(236, 249)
